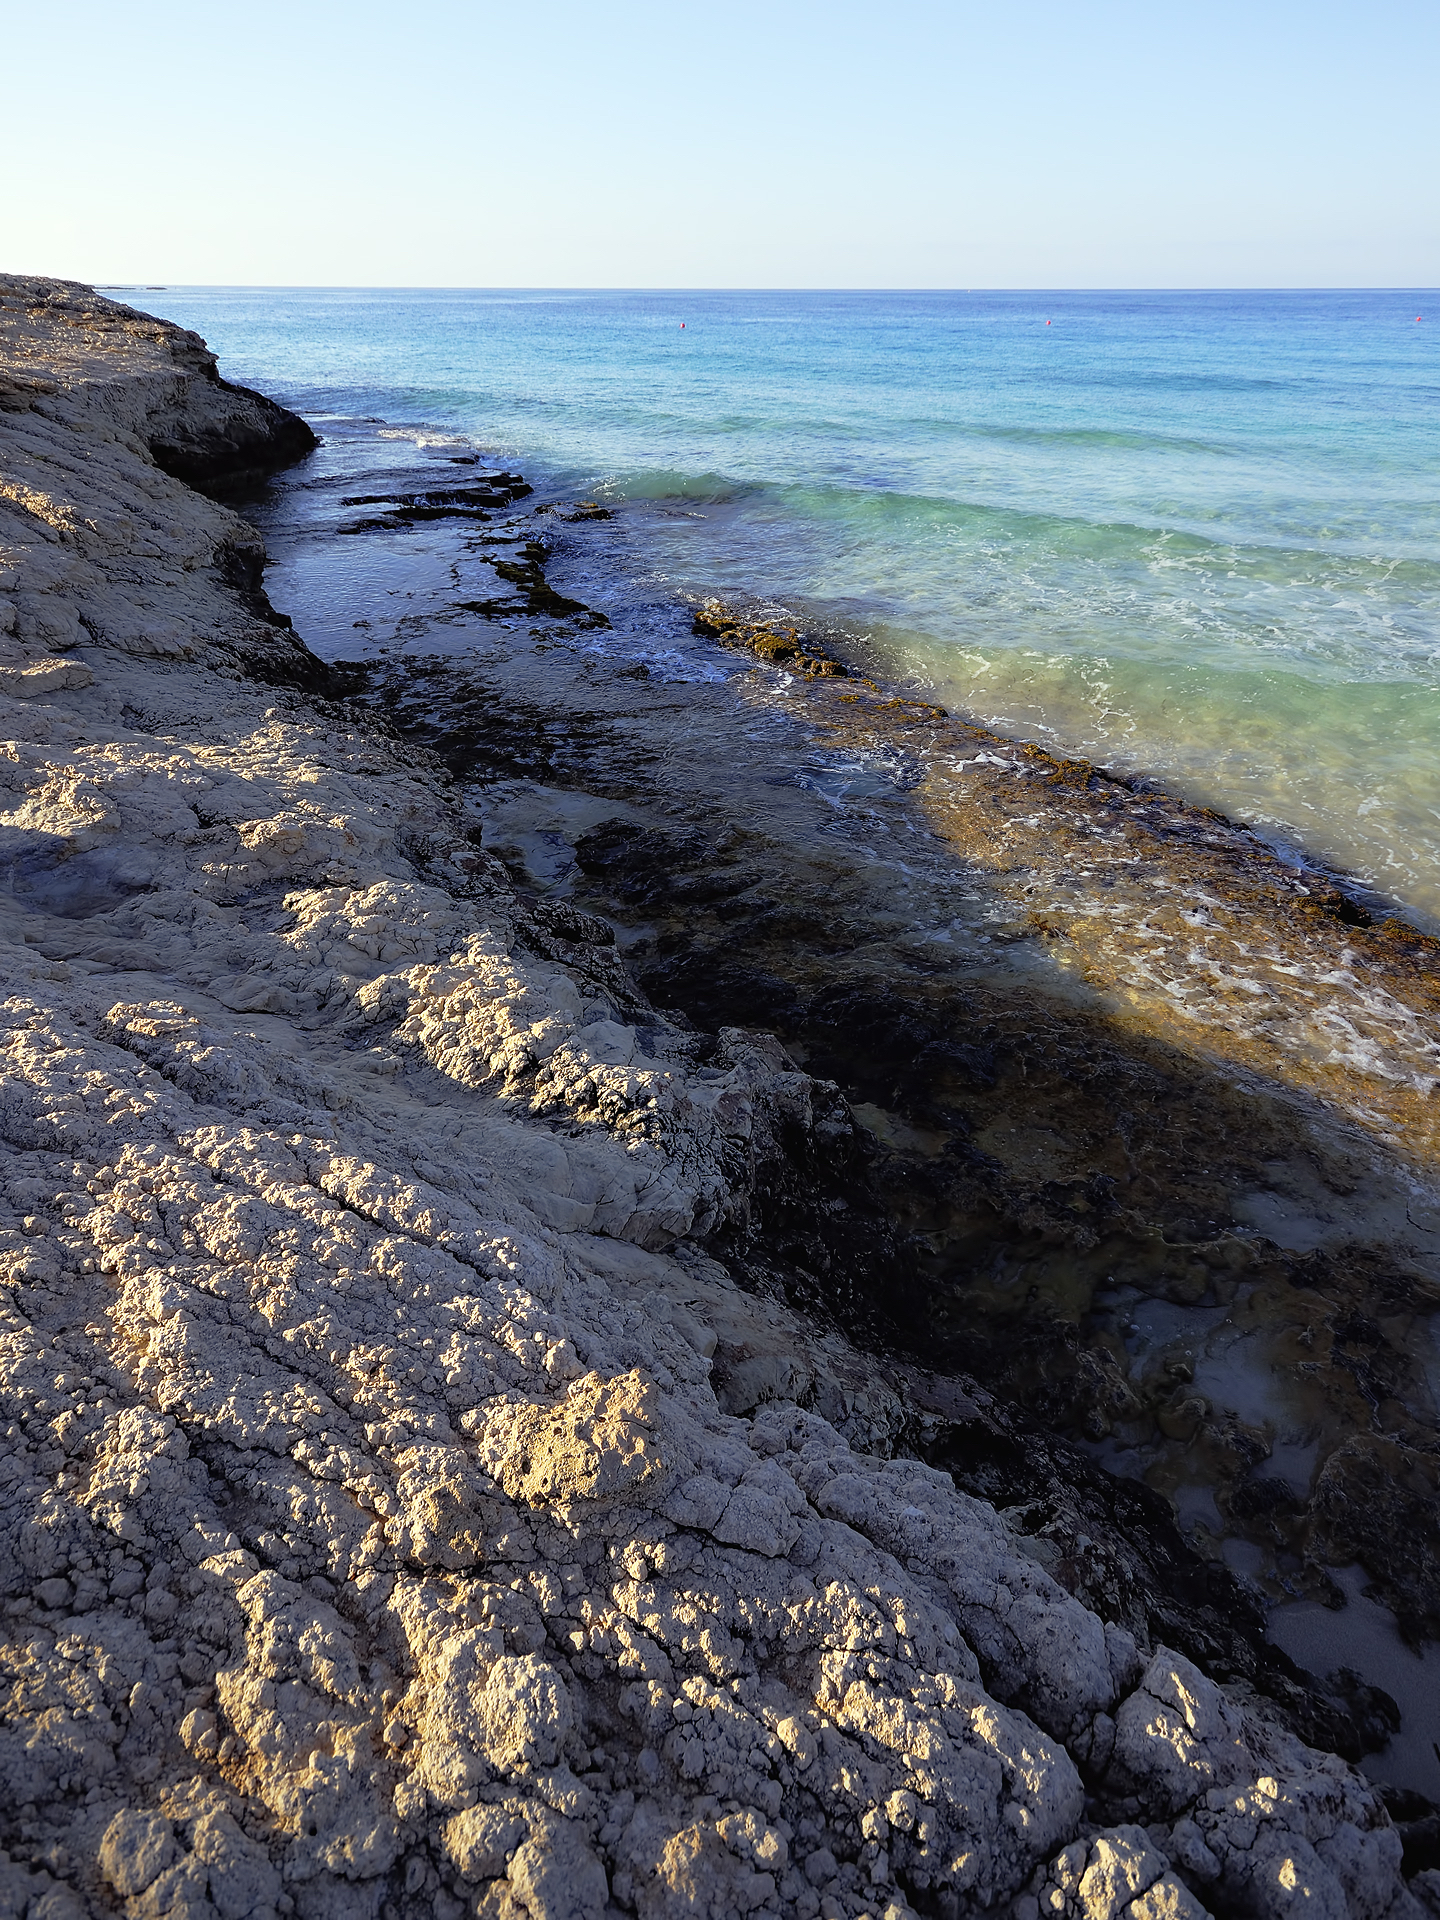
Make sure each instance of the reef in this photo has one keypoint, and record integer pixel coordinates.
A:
(441, 1470)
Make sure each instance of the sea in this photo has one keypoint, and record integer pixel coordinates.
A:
(1192, 536)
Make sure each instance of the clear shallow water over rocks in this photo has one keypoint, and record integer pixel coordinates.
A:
(1193, 534)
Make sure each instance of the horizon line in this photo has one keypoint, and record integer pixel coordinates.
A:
(417, 286)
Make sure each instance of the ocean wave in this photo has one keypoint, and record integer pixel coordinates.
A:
(661, 483)
(427, 437)
(1103, 439)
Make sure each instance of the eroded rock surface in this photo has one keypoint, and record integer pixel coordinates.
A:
(373, 1539)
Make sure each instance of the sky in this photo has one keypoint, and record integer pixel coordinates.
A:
(650, 143)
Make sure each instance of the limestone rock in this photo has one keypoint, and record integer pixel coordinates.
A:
(136, 1850)
(1113, 1873)
(556, 1875)
(601, 1443)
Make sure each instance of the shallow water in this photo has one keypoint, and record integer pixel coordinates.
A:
(1187, 534)
(1363, 1636)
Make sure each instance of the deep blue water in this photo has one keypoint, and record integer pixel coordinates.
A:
(1194, 534)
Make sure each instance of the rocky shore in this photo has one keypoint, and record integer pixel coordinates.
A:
(487, 1427)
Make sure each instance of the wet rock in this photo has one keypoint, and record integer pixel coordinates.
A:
(1417, 1821)
(1383, 1487)
(539, 599)
(776, 645)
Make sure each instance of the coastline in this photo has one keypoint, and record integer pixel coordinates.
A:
(1114, 1057)
(454, 1390)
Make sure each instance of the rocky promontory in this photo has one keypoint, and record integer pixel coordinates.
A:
(384, 1528)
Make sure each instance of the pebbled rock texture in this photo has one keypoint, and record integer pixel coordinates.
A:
(373, 1542)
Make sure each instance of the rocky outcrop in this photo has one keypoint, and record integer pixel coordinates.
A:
(373, 1539)
(57, 334)
(100, 545)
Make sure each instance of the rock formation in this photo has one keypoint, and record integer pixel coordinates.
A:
(373, 1542)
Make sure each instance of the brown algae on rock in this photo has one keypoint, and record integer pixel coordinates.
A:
(1054, 1140)
(776, 646)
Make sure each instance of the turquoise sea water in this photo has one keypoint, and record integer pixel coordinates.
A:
(1195, 535)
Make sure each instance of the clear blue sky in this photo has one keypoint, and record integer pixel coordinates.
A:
(669, 143)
